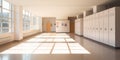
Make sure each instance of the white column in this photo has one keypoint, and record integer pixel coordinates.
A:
(18, 23)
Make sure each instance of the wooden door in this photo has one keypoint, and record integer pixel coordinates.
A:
(72, 26)
(48, 27)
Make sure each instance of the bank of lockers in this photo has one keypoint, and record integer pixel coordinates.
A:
(104, 27)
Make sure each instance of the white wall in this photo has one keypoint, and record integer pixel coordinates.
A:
(6, 37)
(60, 26)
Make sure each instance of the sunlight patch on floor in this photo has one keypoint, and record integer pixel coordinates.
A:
(47, 45)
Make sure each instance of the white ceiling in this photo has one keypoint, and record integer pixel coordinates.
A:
(57, 8)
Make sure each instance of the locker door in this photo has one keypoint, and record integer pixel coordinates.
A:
(106, 41)
(78, 27)
(94, 27)
(91, 26)
(84, 26)
(87, 27)
(81, 26)
(95, 38)
(97, 26)
(101, 26)
(112, 27)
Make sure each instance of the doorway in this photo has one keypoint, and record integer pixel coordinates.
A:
(48, 27)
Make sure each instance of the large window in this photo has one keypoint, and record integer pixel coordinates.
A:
(5, 16)
(35, 23)
(30, 22)
(26, 20)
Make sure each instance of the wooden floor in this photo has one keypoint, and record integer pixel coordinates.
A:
(97, 50)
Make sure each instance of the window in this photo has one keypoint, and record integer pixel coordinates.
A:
(5, 16)
(30, 22)
(35, 23)
(26, 20)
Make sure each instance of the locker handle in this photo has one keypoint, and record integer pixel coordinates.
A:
(111, 29)
(96, 28)
(105, 28)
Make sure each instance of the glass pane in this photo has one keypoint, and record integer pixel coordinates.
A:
(6, 5)
(26, 20)
(0, 30)
(0, 12)
(5, 25)
(5, 20)
(0, 2)
(1, 20)
(6, 13)
(0, 25)
(4, 30)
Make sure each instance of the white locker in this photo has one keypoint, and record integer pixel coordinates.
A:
(79, 26)
(94, 32)
(89, 26)
(101, 22)
(106, 41)
(84, 26)
(97, 28)
(112, 27)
